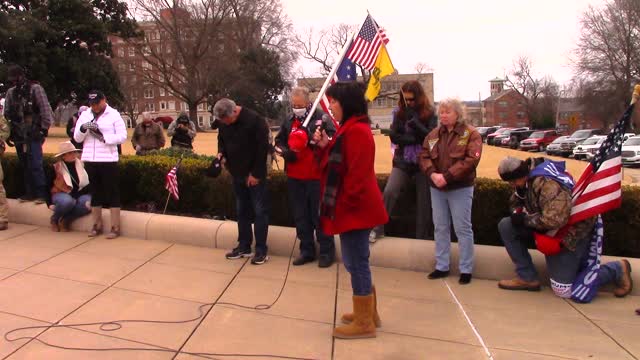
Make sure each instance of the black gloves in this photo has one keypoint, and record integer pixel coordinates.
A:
(517, 218)
(289, 155)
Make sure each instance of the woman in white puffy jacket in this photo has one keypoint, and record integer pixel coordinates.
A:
(101, 129)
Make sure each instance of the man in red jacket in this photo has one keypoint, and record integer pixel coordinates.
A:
(303, 175)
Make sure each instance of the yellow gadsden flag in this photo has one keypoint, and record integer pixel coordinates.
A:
(382, 68)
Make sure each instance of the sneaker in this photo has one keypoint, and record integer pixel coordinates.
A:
(301, 260)
(237, 254)
(465, 278)
(259, 259)
(325, 261)
(437, 274)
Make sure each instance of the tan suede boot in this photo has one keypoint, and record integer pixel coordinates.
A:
(348, 318)
(362, 325)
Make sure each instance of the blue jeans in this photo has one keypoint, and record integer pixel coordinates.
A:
(304, 196)
(252, 200)
(355, 257)
(33, 172)
(69, 208)
(454, 204)
(562, 267)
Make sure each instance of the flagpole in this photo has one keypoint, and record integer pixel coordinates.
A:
(177, 166)
(328, 80)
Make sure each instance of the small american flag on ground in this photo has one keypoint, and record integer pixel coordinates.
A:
(367, 44)
(171, 182)
(599, 188)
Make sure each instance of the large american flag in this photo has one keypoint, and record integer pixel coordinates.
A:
(171, 182)
(599, 188)
(366, 46)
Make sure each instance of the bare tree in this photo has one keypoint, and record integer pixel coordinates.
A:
(541, 93)
(131, 92)
(607, 57)
(194, 48)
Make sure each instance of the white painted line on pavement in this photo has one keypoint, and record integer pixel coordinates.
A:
(475, 331)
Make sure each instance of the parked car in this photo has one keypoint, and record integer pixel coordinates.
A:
(538, 140)
(504, 138)
(566, 146)
(518, 135)
(588, 148)
(498, 132)
(486, 131)
(631, 151)
(554, 147)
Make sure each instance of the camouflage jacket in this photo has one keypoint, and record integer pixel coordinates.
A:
(548, 207)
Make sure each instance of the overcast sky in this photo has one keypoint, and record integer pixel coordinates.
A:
(465, 43)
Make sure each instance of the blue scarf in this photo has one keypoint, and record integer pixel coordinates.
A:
(585, 286)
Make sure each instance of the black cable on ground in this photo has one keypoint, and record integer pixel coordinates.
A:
(108, 326)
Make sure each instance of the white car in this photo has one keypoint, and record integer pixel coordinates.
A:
(588, 148)
(631, 151)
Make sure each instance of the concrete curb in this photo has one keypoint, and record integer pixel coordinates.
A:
(491, 262)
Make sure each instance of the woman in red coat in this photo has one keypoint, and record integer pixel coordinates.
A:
(351, 202)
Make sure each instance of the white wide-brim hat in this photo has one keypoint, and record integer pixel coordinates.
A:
(66, 147)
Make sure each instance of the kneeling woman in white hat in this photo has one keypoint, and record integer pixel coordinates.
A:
(70, 197)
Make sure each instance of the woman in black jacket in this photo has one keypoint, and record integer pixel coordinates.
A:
(413, 119)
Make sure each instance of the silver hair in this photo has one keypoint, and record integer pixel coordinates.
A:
(300, 91)
(146, 115)
(223, 108)
(509, 164)
(455, 105)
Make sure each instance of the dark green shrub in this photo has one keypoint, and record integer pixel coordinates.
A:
(142, 180)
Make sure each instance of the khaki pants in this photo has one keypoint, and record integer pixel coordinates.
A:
(4, 205)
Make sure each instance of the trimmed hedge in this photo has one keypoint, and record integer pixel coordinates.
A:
(142, 186)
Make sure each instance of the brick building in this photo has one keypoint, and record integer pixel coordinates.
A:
(505, 107)
(135, 73)
(571, 117)
(380, 109)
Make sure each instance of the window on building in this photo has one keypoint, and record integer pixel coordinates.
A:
(135, 108)
(201, 107)
(134, 95)
(132, 67)
(122, 67)
(200, 120)
(502, 115)
(134, 79)
(150, 107)
(185, 107)
(171, 105)
(520, 114)
(161, 92)
(121, 52)
(146, 65)
(503, 104)
(132, 51)
(163, 105)
(148, 93)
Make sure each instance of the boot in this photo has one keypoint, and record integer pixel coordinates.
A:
(519, 284)
(362, 325)
(348, 318)
(625, 284)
